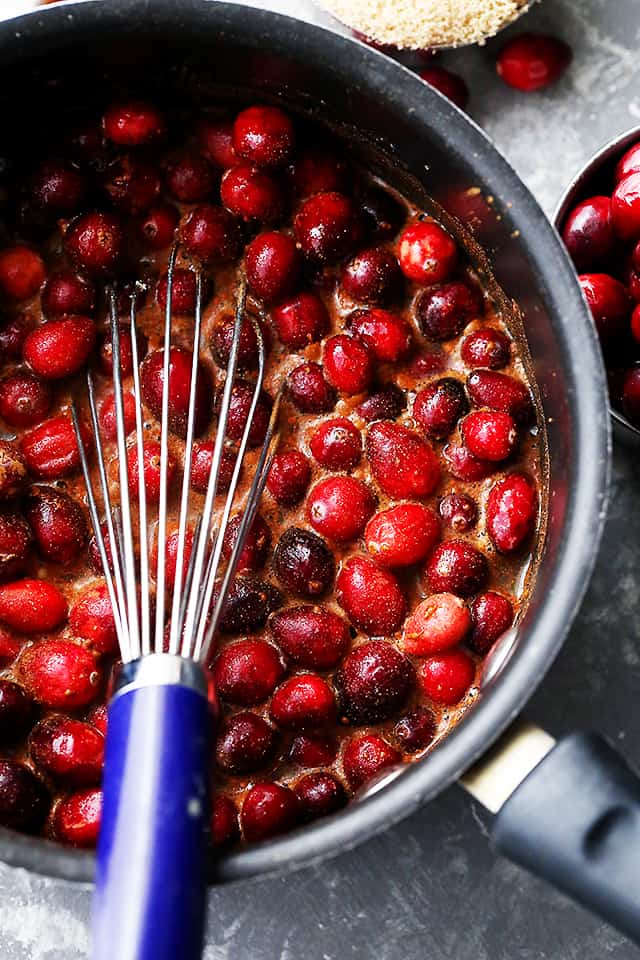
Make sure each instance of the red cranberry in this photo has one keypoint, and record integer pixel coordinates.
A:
(305, 700)
(248, 350)
(457, 567)
(365, 757)
(326, 227)
(402, 463)
(151, 470)
(24, 400)
(499, 391)
(458, 511)
(132, 185)
(372, 276)
(491, 615)
(348, 364)
(628, 163)
(98, 718)
(105, 351)
(15, 540)
(16, 711)
(10, 646)
(490, 435)
(450, 84)
(256, 548)
(59, 348)
(446, 678)
(309, 390)
(437, 623)
(67, 293)
(444, 311)
(373, 682)
(372, 598)
(13, 334)
(631, 395)
(303, 563)
(51, 450)
(588, 233)
(22, 273)
(247, 672)
(68, 749)
(216, 139)
(158, 226)
(108, 418)
(318, 170)
(512, 511)
(635, 329)
(190, 179)
(171, 555)
(77, 818)
(426, 253)
(91, 619)
(240, 405)
(486, 348)
(251, 194)
(183, 292)
(384, 404)
(386, 334)
(625, 207)
(268, 809)
(313, 750)
(58, 188)
(339, 507)
(289, 477)
(58, 524)
(58, 673)
(263, 136)
(416, 730)
(201, 466)
(272, 263)
(24, 799)
(212, 234)
(402, 535)
(381, 213)
(319, 794)
(532, 61)
(132, 124)
(313, 637)
(32, 606)
(246, 743)
(439, 406)
(301, 320)
(225, 829)
(336, 444)
(249, 603)
(95, 242)
(93, 552)
(180, 363)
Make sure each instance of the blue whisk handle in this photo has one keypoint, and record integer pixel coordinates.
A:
(150, 889)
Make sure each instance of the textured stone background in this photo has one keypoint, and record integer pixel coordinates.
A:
(430, 887)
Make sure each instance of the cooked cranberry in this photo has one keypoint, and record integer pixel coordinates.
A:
(336, 444)
(384, 404)
(263, 136)
(635, 331)
(190, 179)
(180, 364)
(372, 276)
(98, 718)
(51, 450)
(491, 615)
(132, 185)
(309, 390)
(372, 598)
(625, 207)
(171, 555)
(319, 170)
(24, 400)
(373, 682)
(532, 61)
(59, 348)
(631, 395)
(381, 213)
(450, 84)
(319, 794)
(225, 829)
(68, 749)
(201, 466)
(348, 364)
(402, 463)
(91, 619)
(16, 711)
(437, 623)
(15, 540)
(105, 351)
(386, 334)
(366, 756)
(628, 163)
(22, 273)
(457, 567)
(402, 535)
(587, 232)
(58, 673)
(251, 194)
(444, 311)
(499, 391)
(313, 637)
(151, 469)
(462, 464)
(239, 408)
(490, 434)
(256, 547)
(13, 334)
(301, 320)
(289, 477)
(67, 293)
(326, 227)
(305, 700)
(132, 124)
(211, 233)
(58, 524)
(458, 511)
(248, 605)
(303, 563)
(24, 799)
(512, 511)
(183, 292)
(416, 730)
(222, 341)
(439, 406)
(247, 672)
(245, 743)
(446, 677)
(313, 750)
(486, 347)
(58, 188)
(426, 253)
(339, 507)
(272, 263)
(268, 809)
(76, 819)
(95, 242)
(108, 417)
(93, 551)
(158, 226)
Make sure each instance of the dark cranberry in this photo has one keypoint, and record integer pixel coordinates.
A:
(339, 507)
(239, 408)
(248, 604)
(222, 340)
(365, 757)
(384, 404)
(326, 227)
(190, 179)
(91, 619)
(635, 324)
(372, 598)
(22, 273)
(225, 829)
(438, 623)
(372, 276)
(459, 511)
(486, 347)
(211, 233)
(446, 677)
(532, 61)
(402, 463)
(427, 254)
(381, 213)
(313, 637)
(348, 364)
(95, 242)
(303, 563)
(245, 744)
(247, 672)
(499, 391)
(444, 311)
(631, 395)
(318, 170)
(67, 293)
(13, 469)
(256, 547)
(313, 750)
(132, 124)
(625, 207)
(105, 351)
(201, 466)
(68, 749)
(263, 136)
(373, 682)
(58, 524)
(416, 730)
(628, 163)
(457, 567)
(24, 799)
(132, 185)
(305, 700)
(386, 334)
(491, 615)
(300, 321)
(60, 347)
(13, 334)
(272, 263)
(268, 809)
(512, 509)
(336, 444)
(24, 400)
(59, 674)
(251, 194)
(319, 794)
(216, 139)
(587, 232)
(76, 819)
(158, 226)
(15, 540)
(58, 188)
(183, 292)
(16, 711)
(450, 84)
(309, 390)
(153, 380)
(402, 535)
(439, 406)
(289, 477)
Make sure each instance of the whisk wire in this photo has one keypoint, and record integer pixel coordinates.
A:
(145, 595)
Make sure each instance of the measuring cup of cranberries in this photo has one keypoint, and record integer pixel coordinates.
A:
(599, 220)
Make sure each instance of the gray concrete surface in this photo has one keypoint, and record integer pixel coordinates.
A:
(430, 888)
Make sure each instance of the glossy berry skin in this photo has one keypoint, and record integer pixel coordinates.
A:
(59, 348)
(339, 507)
(319, 794)
(491, 616)
(438, 623)
(446, 677)
(309, 390)
(183, 292)
(532, 61)
(490, 434)
(336, 444)
(239, 408)
(631, 395)
(272, 264)
(458, 511)
(301, 320)
(132, 185)
(264, 136)
(635, 332)
(289, 477)
(313, 637)
(348, 364)
(268, 809)
(313, 750)
(16, 711)
(499, 391)
(59, 674)
(449, 84)
(225, 829)
(486, 347)
(625, 207)
(512, 509)
(51, 450)
(387, 403)
(201, 466)
(438, 407)
(151, 470)
(58, 524)
(303, 563)
(403, 464)
(249, 603)
(91, 620)
(247, 672)
(105, 351)
(76, 819)
(13, 333)
(416, 730)
(372, 598)
(373, 682)
(251, 194)
(190, 179)
(588, 232)
(326, 227)
(318, 170)
(95, 243)
(22, 273)
(254, 553)
(32, 606)
(365, 757)
(446, 310)
(180, 364)
(108, 417)
(222, 340)
(628, 163)
(15, 540)
(68, 750)
(426, 253)
(386, 334)
(132, 124)
(67, 294)
(158, 225)
(10, 646)
(303, 701)
(402, 535)
(456, 567)
(215, 136)
(212, 234)
(372, 276)
(246, 743)
(24, 798)
(24, 400)
(57, 188)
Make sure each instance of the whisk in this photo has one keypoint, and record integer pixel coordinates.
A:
(152, 854)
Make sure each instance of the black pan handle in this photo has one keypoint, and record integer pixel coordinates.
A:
(575, 821)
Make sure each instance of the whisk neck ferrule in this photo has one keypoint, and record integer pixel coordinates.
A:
(159, 670)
